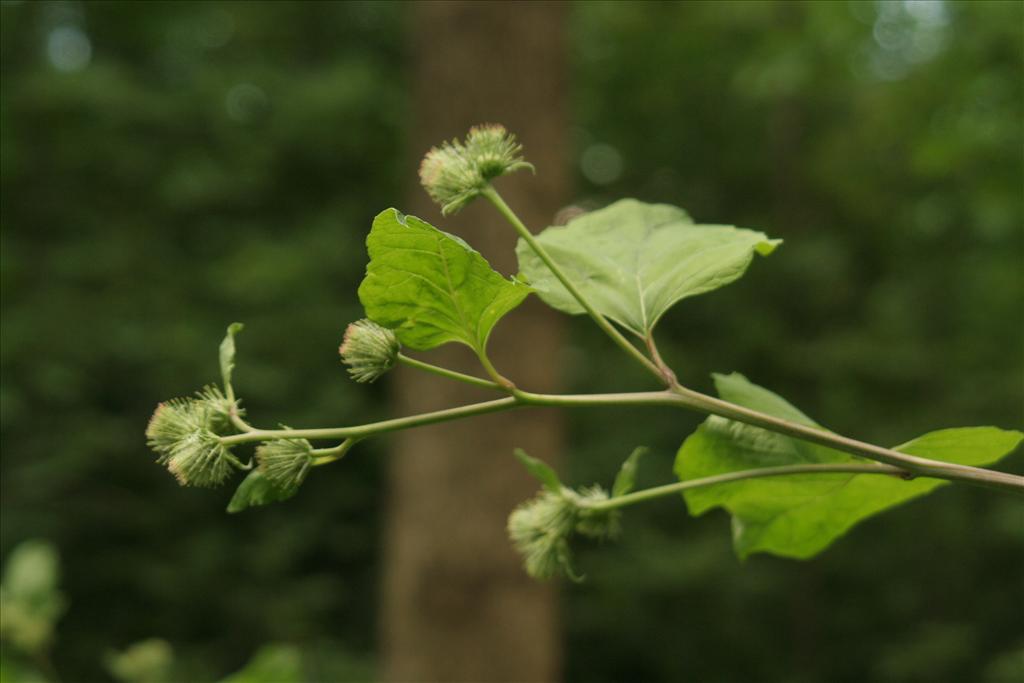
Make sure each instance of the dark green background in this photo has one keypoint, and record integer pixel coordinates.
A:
(212, 162)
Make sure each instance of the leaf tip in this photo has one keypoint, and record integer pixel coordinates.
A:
(766, 247)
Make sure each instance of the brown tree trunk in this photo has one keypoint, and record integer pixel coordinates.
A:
(457, 605)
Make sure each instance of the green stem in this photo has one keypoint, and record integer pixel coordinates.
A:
(445, 372)
(678, 487)
(370, 429)
(666, 372)
(502, 381)
(323, 456)
(677, 397)
(521, 398)
(240, 424)
(919, 466)
(491, 194)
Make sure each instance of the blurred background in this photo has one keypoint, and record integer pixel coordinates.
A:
(167, 168)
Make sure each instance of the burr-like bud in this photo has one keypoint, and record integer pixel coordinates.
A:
(540, 528)
(455, 173)
(285, 463)
(369, 350)
(185, 434)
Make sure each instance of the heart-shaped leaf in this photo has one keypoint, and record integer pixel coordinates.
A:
(431, 287)
(633, 261)
(801, 515)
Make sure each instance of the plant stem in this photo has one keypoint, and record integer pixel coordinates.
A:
(492, 195)
(677, 397)
(678, 487)
(502, 381)
(237, 420)
(323, 456)
(666, 372)
(445, 372)
(373, 428)
(912, 463)
(521, 398)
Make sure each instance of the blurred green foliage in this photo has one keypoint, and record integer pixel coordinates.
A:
(30, 605)
(208, 162)
(166, 168)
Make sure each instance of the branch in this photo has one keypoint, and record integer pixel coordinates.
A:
(677, 397)
(678, 487)
(450, 374)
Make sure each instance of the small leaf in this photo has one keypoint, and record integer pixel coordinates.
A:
(800, 515)
(626, 478)
(227, 354)
(634, 261)
(256, 490)
(541, 471)
(431, 287)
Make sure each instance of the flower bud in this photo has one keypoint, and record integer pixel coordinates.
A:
(599, 524)
(220, 409)
(285, 462)
(540, 529)
(184, 432)
(368, 350)
(455, 173)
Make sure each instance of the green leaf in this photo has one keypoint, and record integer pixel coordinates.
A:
(256, 490)
(625, 480)
(634, 261)
(541, 471)
(431, 287)
(227, 354)
(800, 515)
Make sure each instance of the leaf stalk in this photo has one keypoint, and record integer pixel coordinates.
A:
(784, 470)
(492, 195)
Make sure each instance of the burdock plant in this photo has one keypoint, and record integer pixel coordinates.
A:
(791, 485)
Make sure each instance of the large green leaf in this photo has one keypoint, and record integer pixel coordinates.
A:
(800, 515)
(633, 261)
(431, 287)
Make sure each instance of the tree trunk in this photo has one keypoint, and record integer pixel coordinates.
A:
(457, 605)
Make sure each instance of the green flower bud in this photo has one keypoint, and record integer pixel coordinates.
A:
(220, 409)
(455, 173)
(184, 433)
(368, 350)
(285, 462)
(599, 524)
(540, 529)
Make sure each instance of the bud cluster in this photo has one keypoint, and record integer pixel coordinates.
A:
(369, 350)
(455, 173)
(540, 529)
(185, 433)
